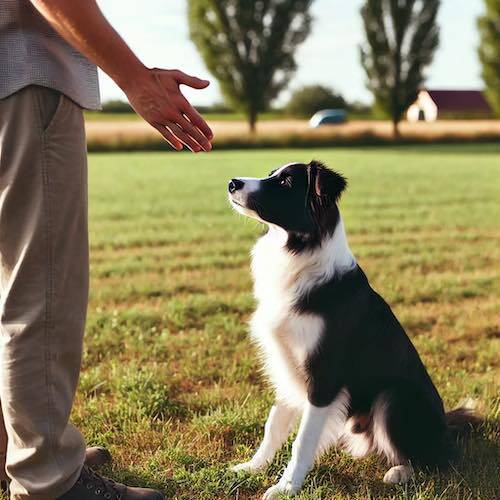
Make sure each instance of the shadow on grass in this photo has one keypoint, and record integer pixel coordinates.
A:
(478, 464)
(142, 479)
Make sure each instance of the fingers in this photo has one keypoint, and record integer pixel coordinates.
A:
(190, 81)
(182, 136)
(188, 125)
(169, 137)
(194, 133)
(177, 136)
(196, 119)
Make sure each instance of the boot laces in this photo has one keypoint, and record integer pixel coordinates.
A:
(102, 486)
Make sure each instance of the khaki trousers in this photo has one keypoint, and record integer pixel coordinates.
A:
(43, 287)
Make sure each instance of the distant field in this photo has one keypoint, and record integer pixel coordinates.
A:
(131, 133)
(170, 382)
(111, 117)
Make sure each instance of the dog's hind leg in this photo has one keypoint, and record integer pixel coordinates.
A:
(399, 474)
(408, 428)
(276, 431)
(383, 413)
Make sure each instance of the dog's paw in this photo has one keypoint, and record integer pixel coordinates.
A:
(400, 474)
(249, 467)
(282, 488)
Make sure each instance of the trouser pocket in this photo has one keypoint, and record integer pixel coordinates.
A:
(48, 103)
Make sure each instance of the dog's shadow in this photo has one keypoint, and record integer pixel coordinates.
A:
(473, 473)
(478, 462)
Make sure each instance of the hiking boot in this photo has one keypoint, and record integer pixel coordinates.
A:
(92, 486)
(96, 457)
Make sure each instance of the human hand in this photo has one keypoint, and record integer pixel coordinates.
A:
(155, 95)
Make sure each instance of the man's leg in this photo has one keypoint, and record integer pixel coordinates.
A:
(43, 287)
(3, 455)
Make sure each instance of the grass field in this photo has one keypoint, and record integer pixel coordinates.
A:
(170, 381)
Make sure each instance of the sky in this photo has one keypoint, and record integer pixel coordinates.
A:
(158, 33)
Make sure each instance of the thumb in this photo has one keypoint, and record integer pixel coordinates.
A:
(190, 81)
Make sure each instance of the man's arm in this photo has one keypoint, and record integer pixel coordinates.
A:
(153, 93)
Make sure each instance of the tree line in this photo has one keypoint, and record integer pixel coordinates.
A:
(250, 46)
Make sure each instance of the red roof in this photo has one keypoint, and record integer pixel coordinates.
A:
(460, 100)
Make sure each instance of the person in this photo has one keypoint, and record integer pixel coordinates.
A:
(49, 50)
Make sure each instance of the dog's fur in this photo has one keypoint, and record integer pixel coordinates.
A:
(331, 347)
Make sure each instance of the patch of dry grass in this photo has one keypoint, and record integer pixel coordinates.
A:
(133, 134)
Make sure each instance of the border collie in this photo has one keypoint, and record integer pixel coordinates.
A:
(331, 346)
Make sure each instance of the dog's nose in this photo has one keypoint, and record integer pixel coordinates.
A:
(235, 184)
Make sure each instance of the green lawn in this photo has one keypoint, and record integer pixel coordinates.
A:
(170, 382)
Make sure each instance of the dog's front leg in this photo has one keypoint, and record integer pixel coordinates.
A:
(304, 451)
(276, 431)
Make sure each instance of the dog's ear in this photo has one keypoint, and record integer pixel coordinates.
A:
(326, 184)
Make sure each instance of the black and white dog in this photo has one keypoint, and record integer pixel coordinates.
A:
(332, 348)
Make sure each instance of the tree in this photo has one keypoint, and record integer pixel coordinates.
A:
(117, 106)
(249, 46)
(489, 51)
(401, 37)
(311, 98)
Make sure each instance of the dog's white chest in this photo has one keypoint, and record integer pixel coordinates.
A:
(285, 337)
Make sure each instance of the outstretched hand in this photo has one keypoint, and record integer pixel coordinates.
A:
(155, 95)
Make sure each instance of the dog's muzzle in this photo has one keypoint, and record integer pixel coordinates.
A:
(235, 185)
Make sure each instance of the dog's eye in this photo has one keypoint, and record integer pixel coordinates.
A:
(286, 181)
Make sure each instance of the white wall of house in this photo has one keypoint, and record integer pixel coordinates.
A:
(424, 104)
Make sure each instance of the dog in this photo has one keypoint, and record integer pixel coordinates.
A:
(331, 347)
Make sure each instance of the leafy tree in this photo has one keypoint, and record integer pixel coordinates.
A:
(249, 46)
(489, 51)
(401, 37)
(311, 98)
(117, 106)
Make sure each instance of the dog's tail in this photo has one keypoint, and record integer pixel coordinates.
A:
(464, 418)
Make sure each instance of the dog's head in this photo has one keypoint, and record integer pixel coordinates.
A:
(299, 198)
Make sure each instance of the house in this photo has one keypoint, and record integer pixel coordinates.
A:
(433, 103)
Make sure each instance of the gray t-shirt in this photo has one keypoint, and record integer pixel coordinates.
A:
(32, 53)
